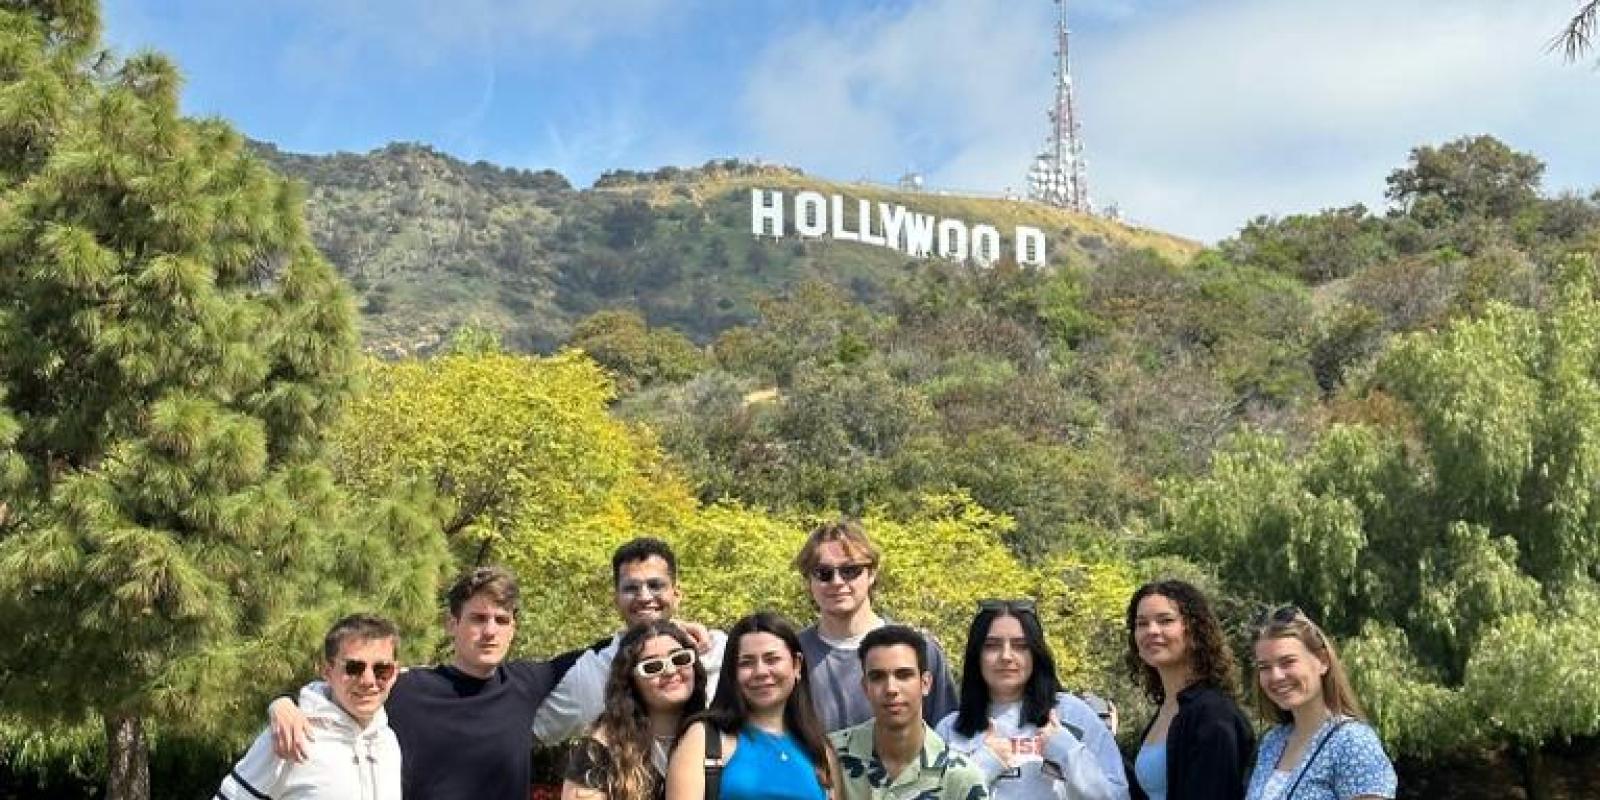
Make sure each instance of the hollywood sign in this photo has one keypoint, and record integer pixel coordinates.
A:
(815, 216)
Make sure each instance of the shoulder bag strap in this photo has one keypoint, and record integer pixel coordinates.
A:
(1310, 762)
(713, 761)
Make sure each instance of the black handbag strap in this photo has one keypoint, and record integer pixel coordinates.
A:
(713, 761)
(1310, 762)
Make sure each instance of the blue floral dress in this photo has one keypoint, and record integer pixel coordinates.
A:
(1351, 764)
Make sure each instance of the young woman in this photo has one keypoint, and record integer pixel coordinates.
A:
(1320, 748)
(772, 746)
(1198, 745)
(656, 682)
(1014, 718)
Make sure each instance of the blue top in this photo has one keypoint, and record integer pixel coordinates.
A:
(1351, 764)
(1150, 769)
(765, 766)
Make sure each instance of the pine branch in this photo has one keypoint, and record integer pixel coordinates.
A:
(1577, 38)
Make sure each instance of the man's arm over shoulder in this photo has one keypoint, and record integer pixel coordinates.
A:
(576, 694)
(258, 774)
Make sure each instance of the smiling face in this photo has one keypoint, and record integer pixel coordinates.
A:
(1007, 662)
(481, 634)
(645, 591)
(767, 671)
(894, 685)
(840, 596)
(363, 693)
(670, 686)
(1289, 673)
(1160, 633)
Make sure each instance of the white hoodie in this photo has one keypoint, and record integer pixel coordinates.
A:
(346, 761)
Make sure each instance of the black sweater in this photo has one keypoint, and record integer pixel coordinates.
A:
(465, 738)
(1210, 748)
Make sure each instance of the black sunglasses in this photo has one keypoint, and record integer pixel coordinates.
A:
(825, 573)
(1024, 605)
(382, 671)
(677, 659)
(1281, 614)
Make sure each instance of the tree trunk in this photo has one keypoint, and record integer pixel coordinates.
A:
(1534, 775)
(127, 758)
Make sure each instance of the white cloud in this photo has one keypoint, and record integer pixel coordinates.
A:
(948, 87)
(1197, 116)
(1269, 107)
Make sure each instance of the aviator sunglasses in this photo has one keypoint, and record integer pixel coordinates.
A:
(653, 667)
(825, 573)
(354, 668)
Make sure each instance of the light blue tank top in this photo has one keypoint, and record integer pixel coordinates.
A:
(769, 767)
(1150, 769)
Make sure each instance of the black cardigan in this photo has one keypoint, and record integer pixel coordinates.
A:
(1210, 748)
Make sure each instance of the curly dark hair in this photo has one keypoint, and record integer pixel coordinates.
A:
(625, 724)
(1211, 662)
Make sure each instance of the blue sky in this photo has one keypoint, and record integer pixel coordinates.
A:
(1197, 115)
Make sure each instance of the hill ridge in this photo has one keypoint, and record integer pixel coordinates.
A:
(430, 241)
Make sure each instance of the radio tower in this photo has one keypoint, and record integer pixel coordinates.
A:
(1057, 176)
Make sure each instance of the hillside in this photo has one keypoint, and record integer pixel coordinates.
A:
(429, 242)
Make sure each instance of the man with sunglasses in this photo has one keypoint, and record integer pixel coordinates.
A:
(355, 753)
(466, 728)
(840, 567)
(644, 577)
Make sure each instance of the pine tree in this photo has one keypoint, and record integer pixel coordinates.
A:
(171, 350)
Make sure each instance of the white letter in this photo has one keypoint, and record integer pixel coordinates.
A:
(893, 219)
(839, 231)
(1030, 246)
(953, 239)
(864, 216)
(763, 211)
(810, 215)
(985, 245)
(919, 235)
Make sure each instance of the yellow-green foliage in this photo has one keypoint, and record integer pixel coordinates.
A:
(522, 446)
(526, 451)
(734, 560)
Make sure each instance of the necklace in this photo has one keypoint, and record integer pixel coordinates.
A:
(771, 741)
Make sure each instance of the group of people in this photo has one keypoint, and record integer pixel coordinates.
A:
(854, 707)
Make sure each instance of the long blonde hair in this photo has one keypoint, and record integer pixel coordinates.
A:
(1288, 622)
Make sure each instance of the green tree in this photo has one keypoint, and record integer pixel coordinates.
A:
(636, 355)
(1471, 176)
(1315, 248)
(1451, 531)
(174, 347)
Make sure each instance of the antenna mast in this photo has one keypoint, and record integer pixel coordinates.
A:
(1057, 176)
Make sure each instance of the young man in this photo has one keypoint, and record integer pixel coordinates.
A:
(355, 753)
(840, 567)
(466, 728)
(644, 578)
(895, 755)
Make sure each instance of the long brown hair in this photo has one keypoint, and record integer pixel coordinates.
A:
(624, 724)
(728, 712)
(1210, 661)
(1289, 622)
